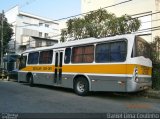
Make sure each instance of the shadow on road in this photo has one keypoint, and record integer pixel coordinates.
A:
(117, 95)
(60, 89)
(112, 95)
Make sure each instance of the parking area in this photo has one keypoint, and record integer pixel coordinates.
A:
(8, 75)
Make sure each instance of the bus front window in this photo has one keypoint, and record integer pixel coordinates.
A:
(22, 62)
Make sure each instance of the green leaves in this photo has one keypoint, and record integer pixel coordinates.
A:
(7, 32)
(155, 57)
(155, 50)
(99, 24)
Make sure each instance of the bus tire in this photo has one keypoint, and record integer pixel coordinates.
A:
(81, 86)
(31, 83)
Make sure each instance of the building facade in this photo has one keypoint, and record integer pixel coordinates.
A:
(30, 31)
(144, 9)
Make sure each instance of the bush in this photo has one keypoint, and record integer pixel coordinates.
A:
(156, 77)
(155, 57)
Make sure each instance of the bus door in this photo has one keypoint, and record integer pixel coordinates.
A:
(58, 67)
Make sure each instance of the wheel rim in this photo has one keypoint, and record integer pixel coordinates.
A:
(80, 86)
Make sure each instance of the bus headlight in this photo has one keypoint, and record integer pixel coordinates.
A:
(136, 79)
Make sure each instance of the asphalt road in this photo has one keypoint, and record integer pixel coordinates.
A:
(21, 98)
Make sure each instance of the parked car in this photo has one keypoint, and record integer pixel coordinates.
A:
(13, 74)
(3, 73)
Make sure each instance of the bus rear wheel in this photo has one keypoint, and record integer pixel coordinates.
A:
(81, 86)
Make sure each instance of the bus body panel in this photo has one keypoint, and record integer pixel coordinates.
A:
(133, 86)
(109, 83)
(43, 78)
(22, 76)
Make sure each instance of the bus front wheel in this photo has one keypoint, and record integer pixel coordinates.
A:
(81, 86)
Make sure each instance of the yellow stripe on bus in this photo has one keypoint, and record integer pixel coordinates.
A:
(41, 68)
(100, 69)
(95, 69)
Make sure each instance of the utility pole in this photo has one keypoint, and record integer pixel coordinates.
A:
(15, 38)
(2, 15)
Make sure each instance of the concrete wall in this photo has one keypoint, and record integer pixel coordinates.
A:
(133, 7)
(130, 8)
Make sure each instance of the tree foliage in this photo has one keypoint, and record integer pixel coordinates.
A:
(155, 50)
(7, 32)
(155, 57)
(99, 24)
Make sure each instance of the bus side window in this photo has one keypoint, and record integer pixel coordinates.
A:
(133, 51)
(103, 53)
(111, 52)
(83, 54)
(33, 58)
(67, 57)
(46, 57)
(118, 51)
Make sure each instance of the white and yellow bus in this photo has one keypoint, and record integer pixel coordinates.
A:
(119, 63)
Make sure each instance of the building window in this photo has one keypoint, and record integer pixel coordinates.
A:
(46, 35)
(40, 34)
(47, 25)
(38, 43)
(83, 54)
(46, 57)
(33, 58)
(48, 43)
(40, 24)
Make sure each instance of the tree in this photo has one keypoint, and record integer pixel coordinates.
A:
(155, 57)
(155, 50)
(99, 24)
(7, 32)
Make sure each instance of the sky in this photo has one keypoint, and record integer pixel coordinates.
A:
(53, 9)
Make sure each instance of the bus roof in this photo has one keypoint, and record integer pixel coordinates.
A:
(81, 42)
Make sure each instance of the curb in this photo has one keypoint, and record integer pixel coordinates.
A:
(152, 94)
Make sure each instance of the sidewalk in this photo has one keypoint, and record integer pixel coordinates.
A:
(152, 93)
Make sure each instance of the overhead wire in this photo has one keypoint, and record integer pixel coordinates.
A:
(144, 14)
(93, 10)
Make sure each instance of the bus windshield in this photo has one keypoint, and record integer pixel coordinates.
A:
(22, 62)
(142, 47)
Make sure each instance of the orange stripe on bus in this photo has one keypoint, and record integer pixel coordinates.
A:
(100, 69)
(45, 68)
(95, 69)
